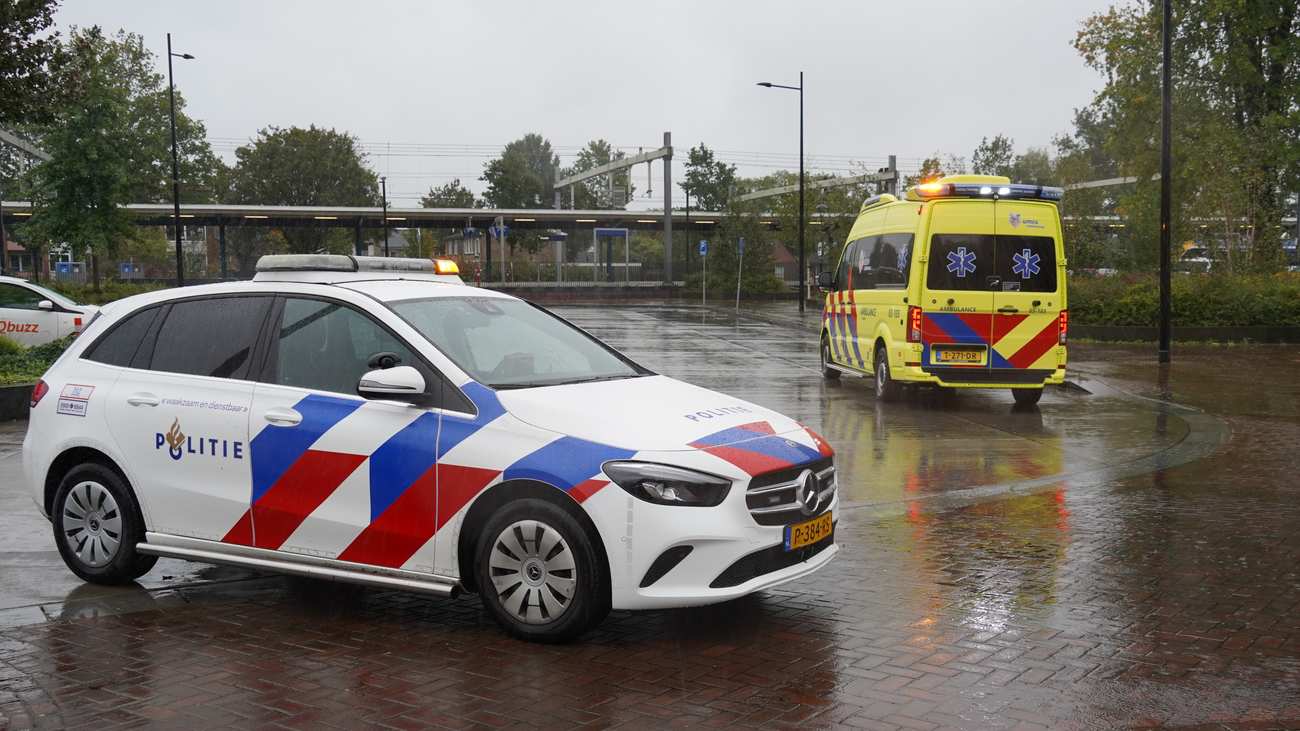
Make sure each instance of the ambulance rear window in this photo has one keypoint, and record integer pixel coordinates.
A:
(981, 262)
(1026, 263)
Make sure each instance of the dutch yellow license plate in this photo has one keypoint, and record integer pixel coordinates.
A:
(809, 532)
(950, 355)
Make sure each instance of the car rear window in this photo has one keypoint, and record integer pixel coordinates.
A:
(210, 337)
(118, 346)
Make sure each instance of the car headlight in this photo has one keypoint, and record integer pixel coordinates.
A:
(666, 485)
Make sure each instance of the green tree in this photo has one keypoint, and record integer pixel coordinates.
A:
(1034, 166)
(78, 195)
(1236, 131)
(26, 48)
(993, 157)
(709, 180)
(450, 195)
(305, 167)
(935, 167)
(144, 133)
(523, 176)
(604, 192)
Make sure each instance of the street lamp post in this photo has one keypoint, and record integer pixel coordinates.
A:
(383, 187)
(176, 175)
(803, 266)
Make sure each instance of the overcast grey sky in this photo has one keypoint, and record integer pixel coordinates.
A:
(434, 89)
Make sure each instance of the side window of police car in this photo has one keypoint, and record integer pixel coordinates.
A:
(328, 346)
(120, 346)
(213, 336)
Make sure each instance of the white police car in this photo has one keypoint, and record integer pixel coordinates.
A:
(377, 421)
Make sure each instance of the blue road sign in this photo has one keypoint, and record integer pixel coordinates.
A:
(742, 245)
(704, 247)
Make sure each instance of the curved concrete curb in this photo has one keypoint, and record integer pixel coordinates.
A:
(1205, 434)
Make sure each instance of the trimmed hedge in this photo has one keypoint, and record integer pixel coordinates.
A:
(109, 290)
(1198, 301)
(19, 364)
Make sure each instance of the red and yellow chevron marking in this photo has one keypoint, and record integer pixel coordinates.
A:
(1026, 341)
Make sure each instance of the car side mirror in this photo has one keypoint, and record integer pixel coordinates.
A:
(399, 383)
(45, 305)
(826, 281)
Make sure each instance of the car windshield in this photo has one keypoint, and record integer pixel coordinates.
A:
(507, 343)
(51, 295)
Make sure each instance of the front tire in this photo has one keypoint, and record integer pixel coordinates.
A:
(97, 525)
(1027, 396)
(886, 388)
(537, 573)
(828, 372)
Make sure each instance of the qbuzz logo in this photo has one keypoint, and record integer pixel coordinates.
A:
(179, 444)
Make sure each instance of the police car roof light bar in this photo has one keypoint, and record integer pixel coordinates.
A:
(341, 263)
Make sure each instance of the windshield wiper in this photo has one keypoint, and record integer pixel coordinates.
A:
(540, 384)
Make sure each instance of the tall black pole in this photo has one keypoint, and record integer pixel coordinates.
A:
(383, 185)
(1166, 182)
(803, 268)
(176, 175)
(4, 238)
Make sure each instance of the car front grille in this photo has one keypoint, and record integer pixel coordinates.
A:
(773, 497)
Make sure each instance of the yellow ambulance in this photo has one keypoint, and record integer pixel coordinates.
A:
(959, 284)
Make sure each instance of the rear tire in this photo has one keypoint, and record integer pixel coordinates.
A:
(538, 574)
(886, 388)
(97, 525)
(828, 372)
(1027, 396)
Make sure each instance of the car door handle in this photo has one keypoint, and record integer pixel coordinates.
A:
(1008, 310)
(283, 417)
(143, 399)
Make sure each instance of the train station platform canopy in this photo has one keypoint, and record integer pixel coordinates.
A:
(161, 214)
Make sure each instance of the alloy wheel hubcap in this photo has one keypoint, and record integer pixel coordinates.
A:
(533, 572)
(92, 524)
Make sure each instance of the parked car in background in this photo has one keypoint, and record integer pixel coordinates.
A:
(1194, 260)
(31, 314)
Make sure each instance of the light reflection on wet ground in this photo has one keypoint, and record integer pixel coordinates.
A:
(1102, 560)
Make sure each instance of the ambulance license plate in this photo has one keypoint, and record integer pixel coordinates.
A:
(809, 532)
(971, 356)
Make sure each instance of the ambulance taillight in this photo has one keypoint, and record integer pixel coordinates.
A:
(1065, 326)
(914, 325)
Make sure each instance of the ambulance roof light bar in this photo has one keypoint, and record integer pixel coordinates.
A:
(982, 186)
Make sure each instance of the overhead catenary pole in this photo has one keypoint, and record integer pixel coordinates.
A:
(668, 207)
(1166, 182)
(383, 187)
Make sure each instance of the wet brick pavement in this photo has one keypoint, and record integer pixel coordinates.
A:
(1106, 560)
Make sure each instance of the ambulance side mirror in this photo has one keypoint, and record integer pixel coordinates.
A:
(826, 281)
(399, 383)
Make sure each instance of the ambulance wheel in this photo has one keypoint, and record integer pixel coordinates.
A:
(827, 372)
(886, 388)
(1027, 396)
(538, 574)
(97, 524)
